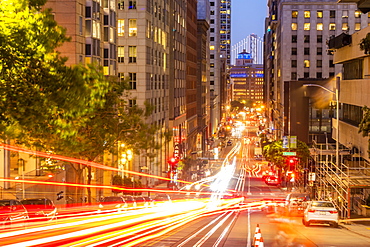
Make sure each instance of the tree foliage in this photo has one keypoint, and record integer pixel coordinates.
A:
(364, 126)
(274, 153)
(365, 44)
(39, 94)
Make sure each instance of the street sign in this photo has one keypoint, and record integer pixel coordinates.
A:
(289, 153)
(311, 176)
(285, 142)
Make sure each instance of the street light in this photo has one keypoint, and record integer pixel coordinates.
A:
(336, 93)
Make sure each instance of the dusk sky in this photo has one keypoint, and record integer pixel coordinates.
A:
(247, 17)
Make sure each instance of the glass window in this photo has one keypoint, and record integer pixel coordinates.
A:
(294, 38)
(121, 54)
(344, 26)
(345, 14)
(121, 28)
(132, 28)
(319, 38)
(294, 14)
(132, 80)
(318, 74)
(306, 63)
(319, 51)
(132, 54)
(319, 14)
(306, 38)
(307, 14)
(306, 75)
(332, 26)
(293, 76)
(131, 4)
(357, 26)
(319, 63)
(306, 51)
(294, 26)
(357, 13)
(332, 13)
(294, 63)
(306, 26)
(294, 51)
(331, 64)
(319, 27)
(121, 4)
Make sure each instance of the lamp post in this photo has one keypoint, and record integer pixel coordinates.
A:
(336, 93)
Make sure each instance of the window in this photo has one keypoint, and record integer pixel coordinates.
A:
(212, 13)
(353, 69)
(294, 38)
(294, 51)
(331, 64)
(212, 3)
(345, 14)
(318, 74)
(294, 14)
(307, 14)
(212, 21)
(131, 4)
(357, 13)
(121, 54)
(294, 63)
(306, 63)
(131, 102)
(212, 30)
(212, 38)
(344, 26)
(319, 14)
(306, 75)
(132, 80)
(212, 47)
(332, 26)
(306, 51)
(293, 76)
(306, 38)
(121, 28)
(319, 64)
(357, 26)
(294, 26)
(306, 26)
(132, 28)
(319, 51)
(121, 4)
(319, 38)
(319, 27)
(332, 13)
(132, 54)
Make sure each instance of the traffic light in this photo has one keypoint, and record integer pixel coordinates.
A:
(60, 195)
(173, 163)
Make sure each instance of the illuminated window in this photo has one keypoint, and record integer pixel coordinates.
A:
(306, 26)
(306, 63)
(212, 47)
(294, 14)
(332, 26)
(357, 26)
(121, 28)
(294, 26)
(121, 54)
(344, 26)
(121, 4)
(307, 14)
(319, 14)
(132, 54)
(319, 27)
(345, 14)
(357, 13)
(131, 4)
(132, 28)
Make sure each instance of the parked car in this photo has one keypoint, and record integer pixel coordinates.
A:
(150, 201)
(295, 203)
(141, 202)
(130, 200)
(40, 208)
(12, 212)
(323, 212)
(113, 203)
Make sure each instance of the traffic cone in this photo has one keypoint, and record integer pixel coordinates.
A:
(261, 242)
(257, 236)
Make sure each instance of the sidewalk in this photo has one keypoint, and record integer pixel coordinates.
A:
(358, 225)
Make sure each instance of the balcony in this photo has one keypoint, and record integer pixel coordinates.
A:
(340, 41)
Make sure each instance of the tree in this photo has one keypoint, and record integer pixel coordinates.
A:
(39, 94)
(365, 44)
(364, 126)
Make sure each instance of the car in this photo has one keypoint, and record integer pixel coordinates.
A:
(162, 199)
(149, 201)
(323, 212)
(141, 202)
(12, 212)
(40, 208)
(295, 203)
(272, 180)
(130, 200)
(113, 203)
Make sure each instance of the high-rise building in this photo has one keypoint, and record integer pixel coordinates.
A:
(295, 46)
(246, 79)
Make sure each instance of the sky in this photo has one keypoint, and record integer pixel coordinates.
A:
(247, 17)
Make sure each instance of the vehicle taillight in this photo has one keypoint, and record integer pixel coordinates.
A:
(333, 212)
(311, 210)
